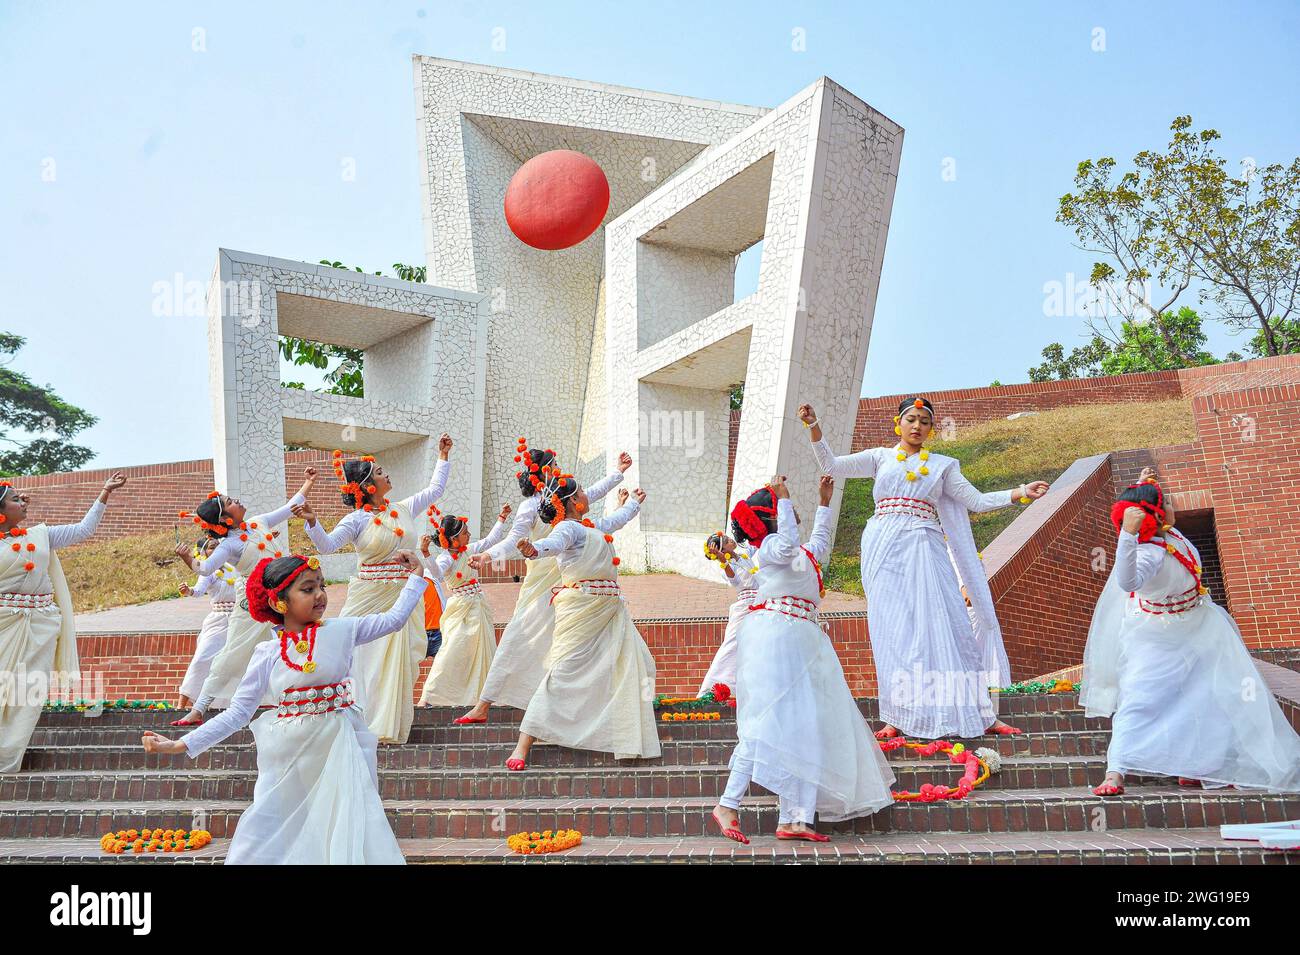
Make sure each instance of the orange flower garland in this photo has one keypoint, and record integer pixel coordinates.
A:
(689, 717)
(536, 843)
(139, 841)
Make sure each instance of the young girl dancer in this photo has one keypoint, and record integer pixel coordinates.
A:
(241, 542)
(739, 568)
(1169, 663)
(519, 664)
(468, 637)
(316, 801)
(36, 633)
(598, 688)
(933, 673)
(386, 669)
(220, 587)
(801, 735)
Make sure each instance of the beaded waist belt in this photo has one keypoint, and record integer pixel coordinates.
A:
(471, 589)
(315, 700)
(26, 601)
(223, 606)
(747, 596)
(799, 607)
(1187, 600)
(601, 587)
(907, 505)
(381, 572)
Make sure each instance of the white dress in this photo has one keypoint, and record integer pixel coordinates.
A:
(723, 667)
(1170, 664)
(468, 636)
(520, 657)
(242, 548)
(597, 690)
(316, 801)
(37, 638)
(933, 671)
(801, 734)
(220, 588)
(386, 669)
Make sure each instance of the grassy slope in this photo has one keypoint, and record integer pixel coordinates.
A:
(137, 569)
(1003, 454)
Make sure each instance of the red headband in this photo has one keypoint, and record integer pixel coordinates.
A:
(1154, 513)
(260, 596)
(746, 515)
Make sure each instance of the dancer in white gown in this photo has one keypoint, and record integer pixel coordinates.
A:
(387, 669)
(598, 688)
(468, 636)
(934, 673)
(801, 734)
(739, 568)
(219, 586)
(37, 639)
(316, 801)
(520, 658)
(1170, 665)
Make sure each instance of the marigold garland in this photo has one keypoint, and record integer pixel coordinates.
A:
(59, 706)
(980, 765)
(689, 717)
(140, 841)
(536, 843)
(1041, 686)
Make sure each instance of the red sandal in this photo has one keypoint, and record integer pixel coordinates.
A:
(187, 722)
(733, 833)
(514, 764)
(1108, 789)
(1191, 783)
(463, 720)
(1004, 730)
(808, 836)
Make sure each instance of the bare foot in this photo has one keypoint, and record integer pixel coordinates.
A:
(477, 713)
(888, 731)
(1112, 785)
(193, 718)
(728, 821)
(1000, 728)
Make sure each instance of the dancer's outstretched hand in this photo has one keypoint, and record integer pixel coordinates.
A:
(153, 743)
(777, 484)
(639, 495)
(806, 414)
(409, 561)
(425, 543)
(624, 461)
(444, 445)
(478, 561)
(825, 489)
(1133, 518)
(622, 496)
(115, 480)
(305, 512)
(1148, 475)
(505, 512)
(1036, 489)
(526, 548)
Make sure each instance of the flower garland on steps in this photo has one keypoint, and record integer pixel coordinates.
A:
(980, 765)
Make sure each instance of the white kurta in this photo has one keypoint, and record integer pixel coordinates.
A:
(468, 636)
(1171, 666)
(597, 691)
(220, 587)
(519, 662)
(38, 646)
(932, 668)
(801, 734)
(386, 670)
(723, 667)
(316, 801)
(243, 549)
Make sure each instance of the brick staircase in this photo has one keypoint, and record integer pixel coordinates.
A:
(450, 799)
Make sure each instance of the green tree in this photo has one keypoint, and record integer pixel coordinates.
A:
(345, 377)
(33, 409)
(1141, 347)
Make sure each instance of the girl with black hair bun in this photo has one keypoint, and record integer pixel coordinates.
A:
(242, 541)
(519, 662)
(1168, 665)
(220, 588)
(597, 691)
(934, 674)
(316, 801)
(468, 636)
(36, 629)
(739, 568)
(800, 733)
(386, 669)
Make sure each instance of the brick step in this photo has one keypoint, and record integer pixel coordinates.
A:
(988, 811)
(94, 734)
(1009, 705)
(130, 757)
(642, 782)
(1150, 847)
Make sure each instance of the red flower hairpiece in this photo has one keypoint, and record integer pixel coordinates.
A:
(260, 596)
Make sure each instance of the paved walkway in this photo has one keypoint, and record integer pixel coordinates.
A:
(649, 597)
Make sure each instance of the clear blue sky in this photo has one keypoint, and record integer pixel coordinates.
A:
(159, 154)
